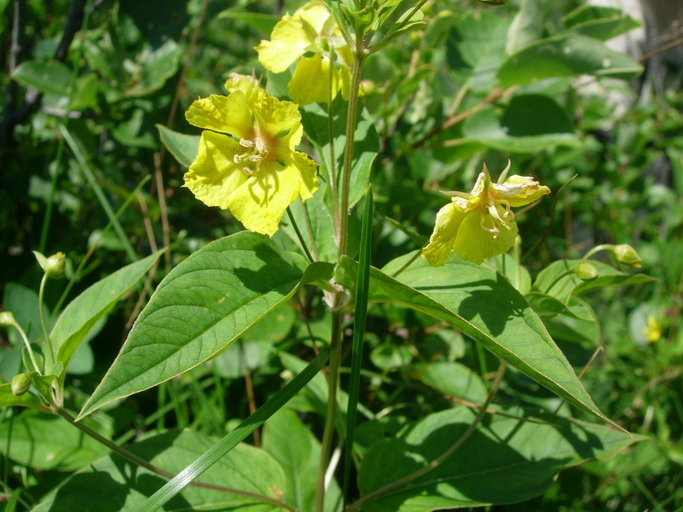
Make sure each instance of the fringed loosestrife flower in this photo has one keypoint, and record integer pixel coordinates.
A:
(480, 224)
(246, 161)
(653, 330)
(311, 37)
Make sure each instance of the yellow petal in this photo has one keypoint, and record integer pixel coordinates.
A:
(260, 202)
(244, 83)
(225, 114)
(474, 243)
(308, 171)
(440, 244)
(277, 118)
(311, 81)
(288, 42)
(315, 14)
(520, 190)
(213, 176)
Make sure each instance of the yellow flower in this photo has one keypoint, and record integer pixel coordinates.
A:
(312, 38)
(480, 225)
(246, 161)
(653, 330)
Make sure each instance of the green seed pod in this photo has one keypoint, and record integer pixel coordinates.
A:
(585, 271)
(627, 255)
(20, 384)
(54, 267)
(7, 319)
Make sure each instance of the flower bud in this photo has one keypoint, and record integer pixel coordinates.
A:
(7, 319)
(54, 267)
(586, 272)
(20, 384)
(627, 255)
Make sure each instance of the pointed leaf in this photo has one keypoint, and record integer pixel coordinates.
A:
(82, 313)
(483, 305)
(183, 147)
(200, 308)
(505, 460)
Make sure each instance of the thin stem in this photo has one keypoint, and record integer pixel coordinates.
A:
(299, 235)
(28, 347)
(332, 166)
(333, 384)
(558, 279)
(408, 263)
(309, 232)
(43, 324)
(352, 115)
(154, 469)
(483, 410)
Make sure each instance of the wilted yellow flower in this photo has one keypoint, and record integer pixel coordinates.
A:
(246, 161)
(653, 330)
(480, 224)
(312, 38)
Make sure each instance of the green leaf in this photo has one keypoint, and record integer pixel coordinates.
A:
(366, 144)
(600, 22)
(264, 23)
(114, 484)
(200, 308)
(528, 124)
(48, 77)
(183, 147)
(219, 450)
(558, 280)
(48, 442)
(452, 379)
(566, 55)
(82, 313)
(484, 306)
(505, 460)
(25, 400)
(297, 450)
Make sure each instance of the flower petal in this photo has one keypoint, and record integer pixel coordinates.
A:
(224, 114)
(213, 175)
(260, 202)
(520, 190)
(311, 81)
(315, 14)
(474, 243)
(277, 118)
(440, 244)
(288, 42)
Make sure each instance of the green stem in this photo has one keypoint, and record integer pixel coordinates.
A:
(332, 166)
(330, 416)
(408, 263)
(43, 324)
(445, 455)
(28, 348)
(558, 279)
(299, 235)
(597, 248)
(154, 469)
(309, 232)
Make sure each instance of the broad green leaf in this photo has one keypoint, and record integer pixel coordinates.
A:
(152, 68)
(220, 449)
(548, 306)
(366, 144)
(599, 22)
(505, 460)
(529, 123)
(566, 55)
(558, 280)
(201, 307)
(48, 77)
(264, 23)
(183, 147)
(297, 451)
(581, 326)
(484, 306)
(25, 400)
(449, 378)
(82, 313)
(114, 484)
(526, 26)
(45, 441)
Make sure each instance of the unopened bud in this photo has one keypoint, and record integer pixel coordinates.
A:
(20, 384)
(7, 319)
(54, 267)
(586, 272)
(627, 255)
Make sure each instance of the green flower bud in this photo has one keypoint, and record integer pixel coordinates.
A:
(627, 255)
(7, 319)
(20, 384)
(54, 267)
(585, 271)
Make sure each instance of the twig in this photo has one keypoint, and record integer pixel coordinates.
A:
(661, 49)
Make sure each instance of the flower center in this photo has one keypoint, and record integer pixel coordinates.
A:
(255, 151)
